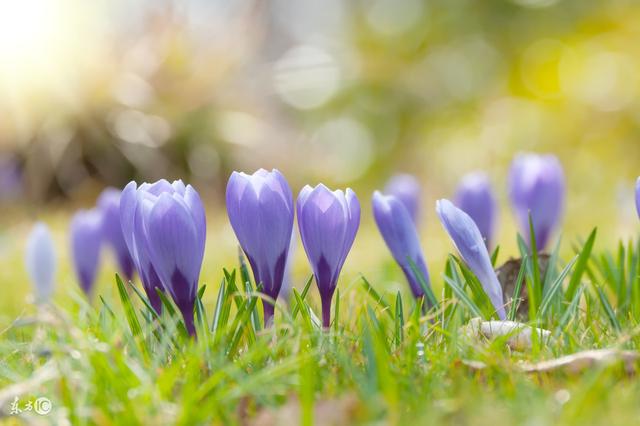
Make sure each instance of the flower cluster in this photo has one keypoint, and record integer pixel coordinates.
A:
(159, 229)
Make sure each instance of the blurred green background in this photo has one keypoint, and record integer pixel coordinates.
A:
(98, 93)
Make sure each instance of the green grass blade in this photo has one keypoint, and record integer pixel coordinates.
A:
(515, 299)
(129, 310)
(376, 296)
(547, 301)
(581, 265)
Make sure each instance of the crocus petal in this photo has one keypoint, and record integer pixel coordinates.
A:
(399, 233)
(468, 241)
(40, 261)
(109, 205)
(328, 223)
(260, 210)
(537, 186)
(174, 247)
(86, 244)
(475, 197)
(407, 189)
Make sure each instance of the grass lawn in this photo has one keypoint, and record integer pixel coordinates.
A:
(385, 359)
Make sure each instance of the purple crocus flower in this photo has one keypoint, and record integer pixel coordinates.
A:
(537, 186)
(109, 205)
(40, 261)
(136, 240)
(406, 188)
(475, 197)
(260, 209)
(400, 235)
(638, 196)
(328, 222)
(467, 238)
(86, 245)
(165, 228)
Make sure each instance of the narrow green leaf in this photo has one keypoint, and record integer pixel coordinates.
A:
(554, 288)
(129, 310)
(376, 296)
(494, 256)
(431, 298)
(305, 290)
(581, 265)
(399, 321)
(220, 302)
(515, 300)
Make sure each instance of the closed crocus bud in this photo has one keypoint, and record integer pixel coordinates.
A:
(406, 188)
(260, 209)
(40, 261)
(400, 234)
(469, 242)
(130, 221)
(475, 197)
(86, 245)
(638, 196)
(168, 232)
(109, 205)
(536, 185)
(328, 222)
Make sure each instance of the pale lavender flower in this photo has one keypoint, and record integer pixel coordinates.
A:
(41, 262)
(400, 234)
(166, 230)
(537, 187)
(467, 238)
(407, 189)
(475, 197)
(86, 245)
(260, 209)
(328, 222)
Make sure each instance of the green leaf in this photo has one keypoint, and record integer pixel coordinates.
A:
(581, 265)
(305, 290)
(376, 296)
(515, 299)
(608, 309)
(217, 323)
(424, 284)
(554, 288)
(129, 310)
(494, 256)
(399, 321)
(464, 297)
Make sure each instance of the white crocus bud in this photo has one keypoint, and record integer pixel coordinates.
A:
(40, 261)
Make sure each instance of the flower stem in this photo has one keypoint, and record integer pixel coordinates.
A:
(268, 309)
(326, 312)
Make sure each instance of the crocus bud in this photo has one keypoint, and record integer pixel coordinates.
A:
(86, 245)
(638, 196)
(260, 209)
(328, 222)
(109, 205)
(536, 186)
(475, 197)
(406, 188)
(468, 241)
(166, 230)
(40, 261)
(400, 234)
